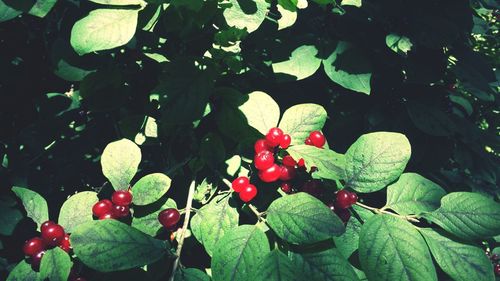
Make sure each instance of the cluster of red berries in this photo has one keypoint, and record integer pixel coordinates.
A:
(117, 208)
(494, 259)
(244, 188)
(316, 138)
(169, 218)
(343, 201)
(52, 235)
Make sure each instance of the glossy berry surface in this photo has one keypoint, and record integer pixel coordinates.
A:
(45, 225)
(289, 161)
(274, 136)
(270, 174)
(286, 140)
(263, 160)
(169, 217)
(317, 138)
(261, 145)
(120, 211)
(122, 198)
(343, 199)
(248, 193)
(66, 244)
(287, 173)
(53, 235)
(239, 183)
(33, 246)
(286, 187)
(102, 207)
(36, 260)
(107, 216)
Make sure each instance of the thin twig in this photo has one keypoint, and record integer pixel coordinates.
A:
(383, 211)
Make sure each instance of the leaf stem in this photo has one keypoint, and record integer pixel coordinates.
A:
(383, 211)
(189, 204)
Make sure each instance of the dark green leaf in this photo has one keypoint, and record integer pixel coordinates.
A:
(300, 120)
(34, 204)
(119, 162)
(330, 164)
(150, 188)
(56, 265)
(77, 210)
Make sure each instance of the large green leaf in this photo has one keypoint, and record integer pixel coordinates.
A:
(275, 266)
(261, 111)
(109, 245)
(42, 7)
(326, 265)
(56, 265)
(349, 67)
(7, 13)
(103, 29)
(302, 219)
(34, 204)
(414, 194)
(150, 188)
(462, 262)
(119, 162)
(330, 164)
(301, 64)
(392, 249)
(300, 120)
(77, 210)
(23, 272)
(191, 274)
(147, 222)
(238, 253)
(467, 215)
(213, 221)
(247, 15)
(375, 160)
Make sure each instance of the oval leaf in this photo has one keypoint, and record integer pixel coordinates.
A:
(56, 265)
(261, 111)
(109, 245)
(413, 194)
(249, 17)
(300, 120)
(150, 188)
(330, 164)
(302, 219)
(392, 249)
(77, 210)
(275, 266)
(103, 29)
(23, 272)
(375, 160)
(191, 274)
(34, 204)
(301, 64)
(327, 265)
(119, 162)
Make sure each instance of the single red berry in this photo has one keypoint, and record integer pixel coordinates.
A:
(66, 244)
(353, 198)
(261, 145)
(107, 216)
(274, 136)
(239, 183)
(169, 217)
(120, 211)
(286, 187)
(289, 161)
(497, 269)
(308, 141)
(286, 140)
(36, 260)
(45, 225)
(102, 207)
(248, 193)
(301, 163)
(287, 173)
(33, 246)
(53, 235)
(317, 138)
(122, 198)
(270, 174)
(263, 160)
(343, 214)
(343, 199)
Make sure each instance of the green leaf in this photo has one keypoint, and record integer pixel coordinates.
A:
(275, 266)
(247, 15)
(348, 242)
(56, 265)
(375, 160)
(42, 7)
(34, 204)
(467, 215)
(392, 249)
(119, 2)
(191, 274)
(7, 13)
(109, 245)
(326, 265)
(302, 219)
(398, 43)
(148, 222)
(261, 111)
(301, 64)
(213, 221)
(462, 262)
(119, 161)
(330, 164)
(238, 253)
(103, 29)
(300, 120)
(150, 188)
(77, 210)
(349, 67)
(413, 194)
(23, 272)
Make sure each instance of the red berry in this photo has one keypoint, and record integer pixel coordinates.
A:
(289, 161)
(343, 214)
(274, 136)
(33, 246)
(107, 216)
(169, 217)
(286, 187)
(120, 211)
(286, 140)
(354, 198)
(239, 183)
(497, 269)
(53, 235)
(271, 174)
(308, 141)
(343, 200)
(248, 193)
(45, 225)
(261, 145)
(102, 207)
(66, 244)
(263, 160)
(36, 260)
(122, 198)
(317, 138)
(287, 173)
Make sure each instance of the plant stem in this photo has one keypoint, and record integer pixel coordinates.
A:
(383, 211)
(189, 203)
